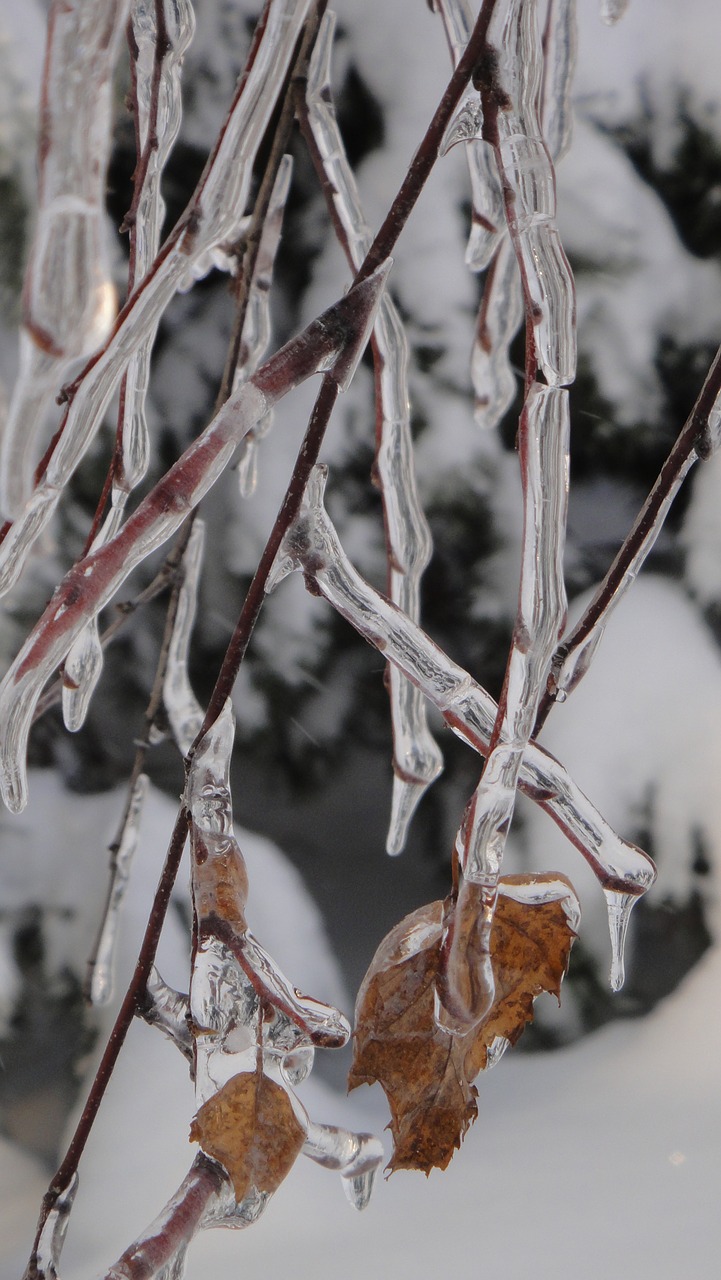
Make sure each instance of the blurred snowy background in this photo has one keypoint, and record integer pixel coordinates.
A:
(604, 1155)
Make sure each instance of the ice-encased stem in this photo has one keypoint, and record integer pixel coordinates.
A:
(69, 298)
(159, 1253)
(99, 982)
(333, 343)
(313, 548)
(184, 711)
(510, 96)
(417, 760)
(499, 318)
(480, 844)
(214, 216)
(158, 106)
(559, 64)
(168, 1010)
(487, 215)
(256, 328)
(52, 1237)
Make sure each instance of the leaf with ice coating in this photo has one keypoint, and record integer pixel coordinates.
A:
(427, 1072)
(250, 1127)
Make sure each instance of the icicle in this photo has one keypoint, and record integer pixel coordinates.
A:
(495, 1051)
(256, 330)
(184, 711)
(559, 47)
(312, 547)
(52, 1237)
(487, 217)
(168, 1010)
(619, 906)
(69, 299)
(613, 10)
(219, 204)
(81, 673)
(102, 962)
(356, 1156)
(527, 170)
(499, 319)
(480, 844)
(417, 761)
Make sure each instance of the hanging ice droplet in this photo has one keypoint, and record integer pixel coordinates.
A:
(495, 1051)
(466, 124)
(83, 667)
(360, 1188)
(619, 909)
(613, 10)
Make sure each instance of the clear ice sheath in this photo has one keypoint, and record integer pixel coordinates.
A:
(69, 298)
(417, 760)
(530, 189)
(102, 963)
(312, 547)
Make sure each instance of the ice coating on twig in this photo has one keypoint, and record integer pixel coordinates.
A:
(543, 440)
(214, 217)
(159, 1253)
(247, 1018)
(169, 1011)
(559, 63)
(334, 343)
(184, 711)
(101, 965)
(417, 761)
(487, 216)
(52, 1237)
(613, 10)
(356, 1156)
(312, 547)
(529, 185)
(499, 317)
(256, 328)
(69, 299)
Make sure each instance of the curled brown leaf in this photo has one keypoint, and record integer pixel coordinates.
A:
(426, 1071)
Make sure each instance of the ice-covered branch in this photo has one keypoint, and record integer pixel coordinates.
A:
(416, 758)
(99, 983)
(159, 48)
(256, 328)
(487, 215)
(332, 343)
(69, 299)
(214, 217)
(543, 447)
(510, 85)
(312, 547)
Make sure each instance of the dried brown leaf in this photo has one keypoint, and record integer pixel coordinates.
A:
(426, 1072)
(250, 1127)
